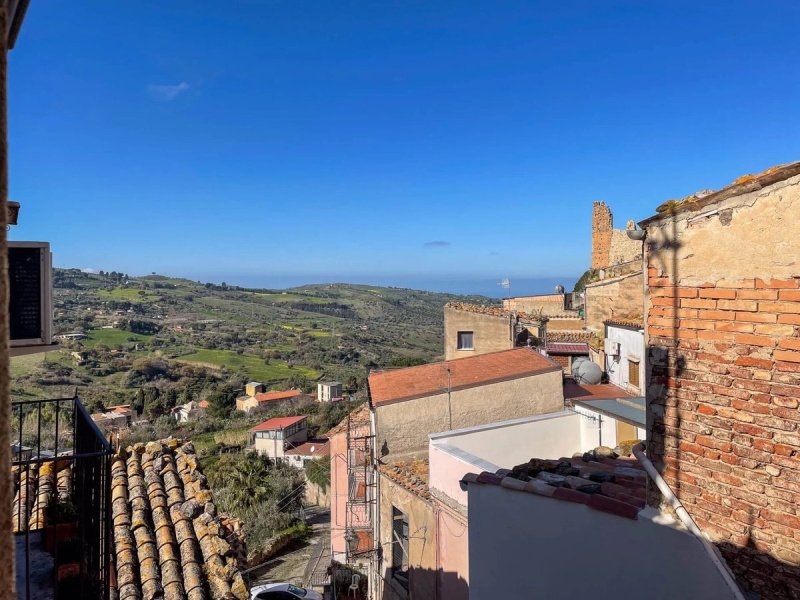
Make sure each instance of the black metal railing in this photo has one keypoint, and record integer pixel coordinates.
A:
(62, 504)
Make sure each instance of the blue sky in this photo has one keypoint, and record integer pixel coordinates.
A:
(251, 140)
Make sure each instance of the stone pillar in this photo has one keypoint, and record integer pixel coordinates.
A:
(602, 231)
(7, 584)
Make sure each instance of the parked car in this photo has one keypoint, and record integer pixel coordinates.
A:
(282, 591)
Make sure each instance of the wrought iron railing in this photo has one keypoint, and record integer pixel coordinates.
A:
(62, 505)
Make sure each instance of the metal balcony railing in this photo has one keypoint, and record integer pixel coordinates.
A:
(61, 513)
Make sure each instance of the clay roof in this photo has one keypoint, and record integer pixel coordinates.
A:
(313, 448)
(278, 423)
(636, 322)
(411, 475)
(568, 336)
(169, 540)
(567, 348)
(742, 185)
(282, 395)
(426, 380)
(600, 479)
(359, 417)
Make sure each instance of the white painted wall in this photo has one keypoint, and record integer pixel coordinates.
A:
(631, 347)
(526, 546)
(596, 430)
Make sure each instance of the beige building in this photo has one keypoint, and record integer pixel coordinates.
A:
(330, 391)
(473, 329)
(413, 402)
(274, 437)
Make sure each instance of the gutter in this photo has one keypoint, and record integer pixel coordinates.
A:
(688, 522)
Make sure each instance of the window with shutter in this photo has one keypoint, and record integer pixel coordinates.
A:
(400, 547)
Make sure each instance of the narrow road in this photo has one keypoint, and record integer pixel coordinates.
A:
(299, 557)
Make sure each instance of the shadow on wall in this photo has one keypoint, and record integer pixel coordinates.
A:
(673, 389)
(427, 584)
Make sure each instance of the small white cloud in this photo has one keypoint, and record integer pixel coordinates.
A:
(166, 93)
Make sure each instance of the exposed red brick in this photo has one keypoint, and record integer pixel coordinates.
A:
(780, 307)
(698, 303)
(696, 324)
(706, 410)
(789, 319)
(748, 361)
(718, 293)
(787, 356)
(792, 295)
(757, 294)
(777, 284)
(756, 317)
(776, 330)
(718, 315)
(742, 305)
(790, 343)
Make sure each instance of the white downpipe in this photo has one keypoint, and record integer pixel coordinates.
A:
(686, 519)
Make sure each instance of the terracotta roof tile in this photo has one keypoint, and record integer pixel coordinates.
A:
(600, 391)
(278, 423)
(412, 475)
(599, 479)
(567, 336)
(636, 322)
(359, 417)
(169, 540)
(567, 348)
(426, 380)
(272, 396)
(312, 448)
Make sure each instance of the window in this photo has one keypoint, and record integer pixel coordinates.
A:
(465, 340)
(400, 547)
(633, 373)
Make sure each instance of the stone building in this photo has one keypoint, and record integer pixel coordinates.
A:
(473, 329)
(723, 339)
(611, 246)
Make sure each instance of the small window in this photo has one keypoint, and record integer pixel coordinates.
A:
(400, 547)
(465, 340)
(633, 373)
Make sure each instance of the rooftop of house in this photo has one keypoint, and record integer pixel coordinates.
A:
(278, 423)
(599, 479)
(312, 448)
(567, 348)
(635, 322)
(628, 410)
(568, 336)
(359, 417)
(280, 395)
(742, 185)
(411, 475)
(169, 539)
(398, 385)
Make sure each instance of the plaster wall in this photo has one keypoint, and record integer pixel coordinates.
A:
(403, 427)
(339, 495)
(526, 546)
(620, 296)
(631, 349)
(421, 542)
(549, 304)
(490, 333)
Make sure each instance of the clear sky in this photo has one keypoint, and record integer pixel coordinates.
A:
(251, 140)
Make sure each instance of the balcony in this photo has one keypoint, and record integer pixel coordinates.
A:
(61, 511)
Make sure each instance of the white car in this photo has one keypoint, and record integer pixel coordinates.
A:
(282, 591)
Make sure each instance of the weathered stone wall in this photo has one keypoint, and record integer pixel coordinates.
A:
(564, 324)
(602, 226)
(619, 296)
(548, 304)
(403, 427)
(611, 246)
(490, 333)
(724, 383)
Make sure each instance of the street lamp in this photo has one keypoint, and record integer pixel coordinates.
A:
(12, 208)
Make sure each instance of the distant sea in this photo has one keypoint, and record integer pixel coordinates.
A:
(483, 287)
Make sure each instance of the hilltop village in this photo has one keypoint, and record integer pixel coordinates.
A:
(652, 407)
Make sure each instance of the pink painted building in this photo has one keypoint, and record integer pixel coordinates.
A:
(351, 493)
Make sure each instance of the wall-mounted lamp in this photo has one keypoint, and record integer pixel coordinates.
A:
(637, 234)
(12, 209)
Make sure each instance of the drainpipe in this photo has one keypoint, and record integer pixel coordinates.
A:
(686, 519)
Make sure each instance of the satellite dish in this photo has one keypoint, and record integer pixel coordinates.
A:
(587, 372)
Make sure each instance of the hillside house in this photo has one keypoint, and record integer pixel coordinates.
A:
(330, 391)
(300, 455)
(191, 411)
(115, 417)
(274, 437)
(272, 400)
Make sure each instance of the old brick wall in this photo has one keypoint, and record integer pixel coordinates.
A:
(602, 226)
(724, 358)
(620, 296)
